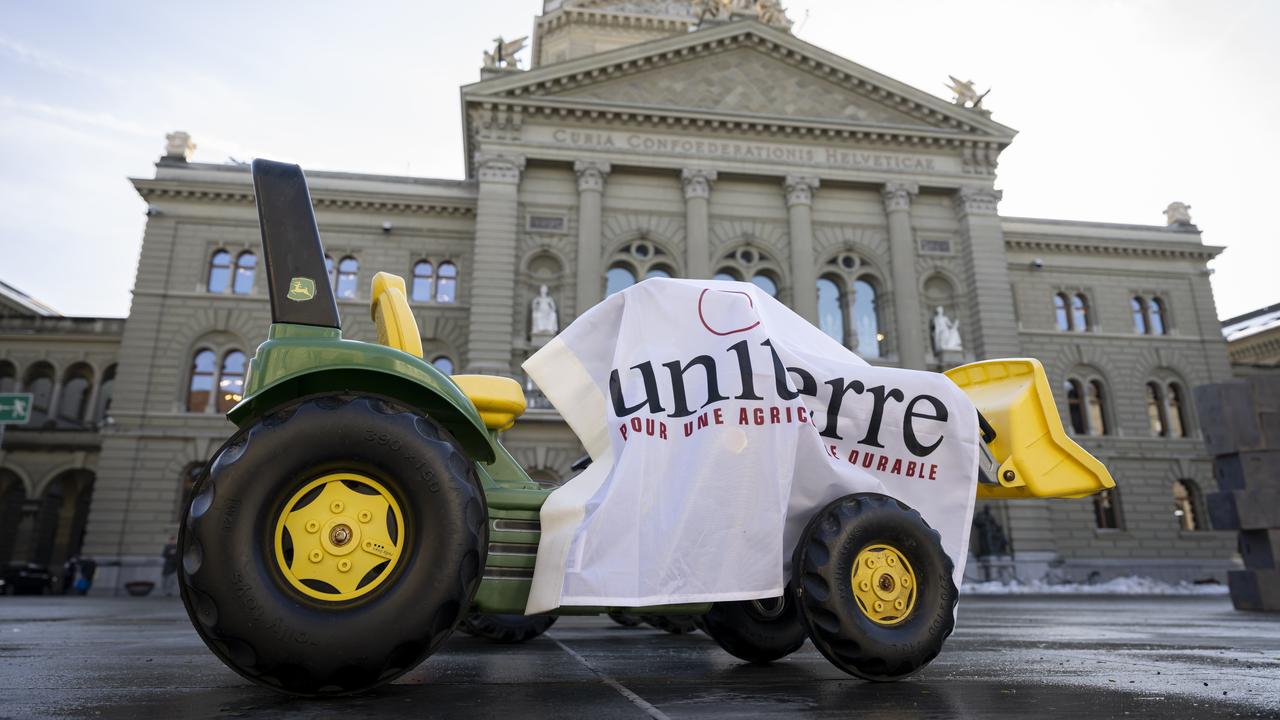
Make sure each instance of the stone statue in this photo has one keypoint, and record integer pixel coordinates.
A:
(1178, 213)
(966, 95)
(946, 332)
(771, 13)
(178, 145)
(544, 314)
(990, 536)
(503, 56)
(710, 9)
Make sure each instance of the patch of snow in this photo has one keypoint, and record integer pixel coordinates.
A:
(1127, 585)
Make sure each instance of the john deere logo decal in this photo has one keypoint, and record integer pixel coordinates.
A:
(302, 289)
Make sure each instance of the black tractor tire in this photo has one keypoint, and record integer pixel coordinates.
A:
(758, 631)
(625, 619)
(265, 629)
(674, 624)
(822, 570)
(507, 628)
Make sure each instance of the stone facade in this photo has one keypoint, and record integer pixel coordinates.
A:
(637, 147)
(48, 467)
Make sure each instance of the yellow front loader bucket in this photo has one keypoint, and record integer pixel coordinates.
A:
(1036, 457)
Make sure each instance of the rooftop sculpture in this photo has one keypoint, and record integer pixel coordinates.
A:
(503, 56)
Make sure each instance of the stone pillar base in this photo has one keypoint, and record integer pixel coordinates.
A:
(947, 359)
(998, 568)
(1033, 565)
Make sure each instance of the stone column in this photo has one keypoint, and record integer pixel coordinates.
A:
(902, 256)
(697, 195)
(55, 398)
(987, 286)
(804, 271)
(493, 272)
(87, 417)
(591, 175)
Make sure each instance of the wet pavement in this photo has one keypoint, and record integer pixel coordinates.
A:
(1024, 657)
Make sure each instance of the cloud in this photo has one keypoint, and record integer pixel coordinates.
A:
(50, 63)
(81, 118)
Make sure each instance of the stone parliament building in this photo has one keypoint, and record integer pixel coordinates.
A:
(648, 138)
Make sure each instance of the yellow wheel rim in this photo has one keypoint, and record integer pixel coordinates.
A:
(339, 537)
(884, 585)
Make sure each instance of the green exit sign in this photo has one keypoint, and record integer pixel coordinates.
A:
(15, 408)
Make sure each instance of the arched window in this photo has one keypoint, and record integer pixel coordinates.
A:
(348, 272)
(1138, 307)
(617, 279)
(640, 259)
(39, 382)
(77, 381)
(1186, 503)
(765, 283)
(831, 309)
(1106, 511)
(8, 376)
(204, 367)
(219, 272)
(1075, 406)
(443, 364)
(1177, 413)
(332, 271)
(424, 281)
(1079, 312)
(231, 381)
(1060, 312)
(103, 404)
(1097, 409)
(750, 264)
(1155, 410)
(447, 285)
(246, 266)
(1155, 313)
(866, 319)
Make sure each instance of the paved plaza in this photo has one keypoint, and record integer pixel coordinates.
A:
(1075, 656)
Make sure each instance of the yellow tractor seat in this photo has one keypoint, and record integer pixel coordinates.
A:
(500, 400)
(392, 316)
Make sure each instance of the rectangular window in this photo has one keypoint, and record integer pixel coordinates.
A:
(1106, 515)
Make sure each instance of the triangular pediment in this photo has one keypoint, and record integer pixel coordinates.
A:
(741, 70)
(744, 80)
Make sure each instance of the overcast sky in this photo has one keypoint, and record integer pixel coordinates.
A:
(1122, 107)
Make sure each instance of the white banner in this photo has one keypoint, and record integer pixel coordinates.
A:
(718, 422)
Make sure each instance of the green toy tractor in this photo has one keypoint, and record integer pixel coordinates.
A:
(366, 506)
